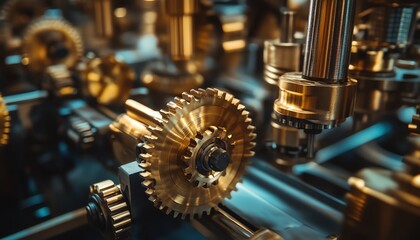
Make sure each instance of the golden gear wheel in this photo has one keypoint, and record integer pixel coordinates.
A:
(161, 155)
(4, 123)
(51, 41)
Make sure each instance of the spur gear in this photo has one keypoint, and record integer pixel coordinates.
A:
(206, 134)
(51, 41)
(108, 211)
(4, 123)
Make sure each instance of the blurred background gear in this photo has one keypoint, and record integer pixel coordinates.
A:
(50, 41)
(107, 79)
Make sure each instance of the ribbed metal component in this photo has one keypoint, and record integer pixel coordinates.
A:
(328, 40)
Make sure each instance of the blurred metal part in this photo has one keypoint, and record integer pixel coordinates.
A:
(107, 79)
(108, 211)
(81, 132)
(20, 13)
(169, 79)
(372, 57)
(168, 139)
(4, 123)
(392, 21)
(328, 42)
(60, 81)
(375, 192)
(103, 18)
(51, 41)
(281, 56)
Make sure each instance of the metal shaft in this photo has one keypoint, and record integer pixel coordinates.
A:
(142, 113)
(287, 26)
(103, 18)
(328, 41)
(180, 14)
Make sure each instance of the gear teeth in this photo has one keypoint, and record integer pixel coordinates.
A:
(145, 174)
(211, 91)
(236, 102)
(176, 214)
(173, 107)
(241, 107)
(180, 102)
(144, 164)
(197, 94)
(208, 211)
(187, 97)
(149, 192)
(149, 137)
(183, 216)
(166, 115)
(148, 183)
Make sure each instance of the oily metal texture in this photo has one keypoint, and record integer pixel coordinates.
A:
(161, 156)
(51, 41)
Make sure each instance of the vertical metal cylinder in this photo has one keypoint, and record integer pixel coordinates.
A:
(181, 28)
(103, 18)
(287, 26)
(328, 41)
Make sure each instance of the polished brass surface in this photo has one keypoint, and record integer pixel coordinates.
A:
(161, 154)
(181, 28)
(287, 136)
(316, 102)
(108, 211)
(126, 134)
(51, 41)
(103, 18)
(4, 123)
(328, 41)
(280, 58)
(107, 79)
(372, 57)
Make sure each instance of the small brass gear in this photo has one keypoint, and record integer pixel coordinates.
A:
(162, 155)
(204, 176)
(108, 210)
(4, 123)
(51, 41)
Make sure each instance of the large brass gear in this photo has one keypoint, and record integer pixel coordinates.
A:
(51, 41)
(4, 123)
(161, 155)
